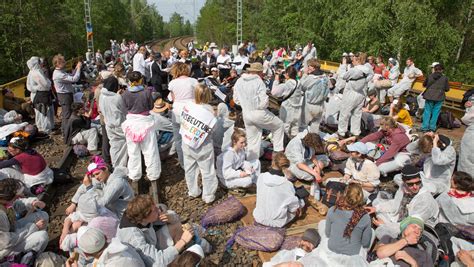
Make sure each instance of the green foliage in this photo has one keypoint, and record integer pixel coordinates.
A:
(428, 30)
(47, 27)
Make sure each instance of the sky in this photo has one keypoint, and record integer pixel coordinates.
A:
(182, 7)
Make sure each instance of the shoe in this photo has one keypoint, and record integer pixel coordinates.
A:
(154, 191)
(95, 152)
(318, 206)
(135, 187)
(239, 192)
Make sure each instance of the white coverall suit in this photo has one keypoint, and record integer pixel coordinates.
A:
(353, 98)
(250, 94)
(37, 81)
(409, 76)
(316, 90)
(113, 109)
(201, 160)
(290, 109)
(141, 138)
(466, 155)
(229, 166)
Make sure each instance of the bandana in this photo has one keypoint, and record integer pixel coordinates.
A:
(456, 194)
(97, 164)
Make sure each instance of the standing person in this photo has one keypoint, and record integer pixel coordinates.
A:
(40, 87)
(112, 107)
(63, 83)
(410, 73)
(181, 91)
(354, 95)
(466, 157)
(140, 134)
(315, 87)
(157, 74)
(436, 85)
(309, 52)
(223, 64)
(197, 121)
(240, 60)
(250, 94)
(139, 63)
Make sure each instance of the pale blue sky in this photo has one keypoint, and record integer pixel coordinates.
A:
(182, 7)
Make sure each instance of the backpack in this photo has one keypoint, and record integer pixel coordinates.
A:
(430, 242)
(385, 110)
(445, 231)
(412, 103)
(446, 120)
(261, 238)
(334, 190)
(227, 211)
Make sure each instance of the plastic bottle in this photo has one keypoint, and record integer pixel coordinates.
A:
(314, 191)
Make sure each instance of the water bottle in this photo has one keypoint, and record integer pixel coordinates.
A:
(314, 191)
(317, 195)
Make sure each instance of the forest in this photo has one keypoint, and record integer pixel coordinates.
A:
(427, 30)
(47, 27)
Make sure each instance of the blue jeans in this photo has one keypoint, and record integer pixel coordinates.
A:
(430, 115)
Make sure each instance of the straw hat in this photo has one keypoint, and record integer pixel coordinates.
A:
(160, 105)
(256, 67)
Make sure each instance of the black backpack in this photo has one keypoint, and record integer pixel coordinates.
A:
(334, 190)
(446, 120)
(412, 102)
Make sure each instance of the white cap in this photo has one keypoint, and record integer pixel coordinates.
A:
(214, 69)
(196, 249)
(434, 64)
(358, 147)
(351, 54)
(344, 54)
(91, 241)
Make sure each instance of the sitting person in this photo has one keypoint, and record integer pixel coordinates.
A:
(21, 106)
(399, 112)
(193, 256)
(306, 155)
(370, 111)
(87, 210)
(157, 248)
(115, 187)
(346, 234)
(26, 165)
(277, 203)
(309, 241)
(411, 199)
(93, 243)
(403, 250)
(410, 73)
(360, 170)
(8, 117)
(232, 168)
(395, 137)
(439, 162)
(457, 205)
(22, 226)
(78, 129)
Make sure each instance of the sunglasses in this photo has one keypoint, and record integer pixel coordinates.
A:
(413, 184)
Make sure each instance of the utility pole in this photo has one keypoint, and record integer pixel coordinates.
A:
(89, 31)
(239, 22)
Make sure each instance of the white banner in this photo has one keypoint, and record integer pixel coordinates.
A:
(196, 124)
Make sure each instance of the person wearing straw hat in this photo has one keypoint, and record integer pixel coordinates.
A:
(163, 124)
(250, 94)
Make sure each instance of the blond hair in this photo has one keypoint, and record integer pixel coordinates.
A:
(389, 121)
(202, 94)
(180, 69)
(314, 63)
(237, 134)
(280, 161)
(354, 196)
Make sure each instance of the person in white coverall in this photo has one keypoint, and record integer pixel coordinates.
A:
(390, 79)
(38, 84)
(316, 89)
(411, 199)
(410, 73)
(232, 168)
(277, 204)
(250, 94)
(439, 161)
(457, 205)
(290, 108)
(222, 133)
(139, 63)
(354, 95)
(113, 109)
(309, 52)
(199, 159)
(466, 155)
(23, 234)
